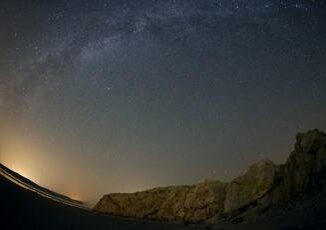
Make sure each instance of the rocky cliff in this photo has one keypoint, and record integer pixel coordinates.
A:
(264, 185)
(189, 203)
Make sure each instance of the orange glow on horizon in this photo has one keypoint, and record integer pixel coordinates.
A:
(20, 157)
(74, 196)
(35, 161)
(23, 171)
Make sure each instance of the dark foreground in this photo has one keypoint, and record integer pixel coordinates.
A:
(23, 209)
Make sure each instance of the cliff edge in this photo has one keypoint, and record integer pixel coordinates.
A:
(264, 185)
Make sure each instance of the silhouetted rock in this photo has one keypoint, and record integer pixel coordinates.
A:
(264, 185)
(305, 168)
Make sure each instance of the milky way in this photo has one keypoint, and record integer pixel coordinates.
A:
(113, 96)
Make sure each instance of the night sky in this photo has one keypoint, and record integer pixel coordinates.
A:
(120, 96)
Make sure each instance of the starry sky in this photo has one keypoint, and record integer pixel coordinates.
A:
(119, 96)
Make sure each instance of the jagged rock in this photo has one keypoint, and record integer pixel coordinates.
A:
(180, 203)
(262, 186)
(310, 142)
(139, 204)
(205, 200)
(259, 179)
(305, 167)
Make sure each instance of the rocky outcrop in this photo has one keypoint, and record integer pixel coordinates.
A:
(256, 182)
(186, 203)
(263, 185)
(305, 168)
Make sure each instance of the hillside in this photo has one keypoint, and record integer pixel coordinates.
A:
(264, 187)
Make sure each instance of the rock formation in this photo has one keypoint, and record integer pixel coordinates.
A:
(256, 182)
(188, 203)
(262, 186)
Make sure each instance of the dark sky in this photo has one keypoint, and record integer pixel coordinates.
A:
(119, 96)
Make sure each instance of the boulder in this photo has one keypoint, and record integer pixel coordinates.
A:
(243, 190)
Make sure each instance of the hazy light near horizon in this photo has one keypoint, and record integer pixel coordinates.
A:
(26, 157)
(20, 156)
